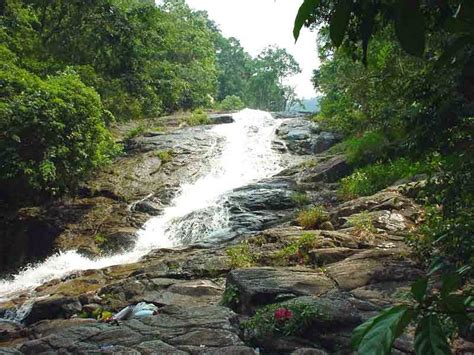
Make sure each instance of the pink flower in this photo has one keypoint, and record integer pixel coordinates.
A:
(283, 314)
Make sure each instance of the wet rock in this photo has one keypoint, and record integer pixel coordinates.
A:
(259, 286)
(221, 118)
(302, 136)
(53, 308)
(231, 350)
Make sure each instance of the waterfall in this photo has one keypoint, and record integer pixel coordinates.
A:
(195, 213)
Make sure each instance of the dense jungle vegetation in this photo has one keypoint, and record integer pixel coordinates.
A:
(68, 69)
(397, 79)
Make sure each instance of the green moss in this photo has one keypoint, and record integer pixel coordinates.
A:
(135, 132)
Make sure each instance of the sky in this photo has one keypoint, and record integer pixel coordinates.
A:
(259, 23)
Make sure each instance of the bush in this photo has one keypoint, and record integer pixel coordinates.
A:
(283, 319)
(365, 149)
(297, 251)
(198, 117)
(135, 132)
(241, 256)
(313, 217)
(53, 133)
(373, 178)
(231, 103)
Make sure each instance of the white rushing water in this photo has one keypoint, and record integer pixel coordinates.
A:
(246, 156)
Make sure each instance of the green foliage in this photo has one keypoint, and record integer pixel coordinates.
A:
(231, 103)
(373, 178)
(230, 298)
(313, 217)
(300, 198)
(297, 251)
(431, 309)
(367, 148)
(198, 117)
(100, 239)
(265, 323)
(165, 156)
(135, 132)
(241, 255)
(53, 132)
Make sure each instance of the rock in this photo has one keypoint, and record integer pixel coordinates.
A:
(221, 118)
(231, 350)
(372, 266)
(158, 347)
(173, 329)
(302, 136)
(326, 256)
(327, 226)
(309, 351)
(260, 286)
(330, 170)
(53, 308)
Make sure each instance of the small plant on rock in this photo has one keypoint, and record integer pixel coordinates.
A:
(298, 251)
(313, 217)
(241, 256)
(165, 156)
(300, 198)
(364, 228)
(282, 319)
(230, 298)
(135, 132)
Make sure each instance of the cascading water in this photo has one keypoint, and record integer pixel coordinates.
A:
(196, 212)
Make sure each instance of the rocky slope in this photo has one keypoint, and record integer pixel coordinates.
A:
(341, 272)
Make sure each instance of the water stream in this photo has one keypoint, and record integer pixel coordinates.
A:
(246, 156)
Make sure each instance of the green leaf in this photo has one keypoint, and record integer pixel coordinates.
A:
(366, 29)
(376, 336)
(304, 12)
(450, 283)
(410, 27)
(429, 337)
(418, 289)
(339, 21)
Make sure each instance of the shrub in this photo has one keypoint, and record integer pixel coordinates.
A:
(282, 319)
(373, 178)
(367, 148)
(231, 103)
(53, 132)
(313, 217)
(197, 118)
(300, 198)
(241, 255)
(135, 132)
(165, 156)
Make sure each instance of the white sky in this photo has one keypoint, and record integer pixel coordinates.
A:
(258, 23)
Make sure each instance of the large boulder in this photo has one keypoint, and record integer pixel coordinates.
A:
(330, 170)
(175, 330)
(255, 287)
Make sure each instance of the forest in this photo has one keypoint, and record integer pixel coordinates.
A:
(69, 69)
